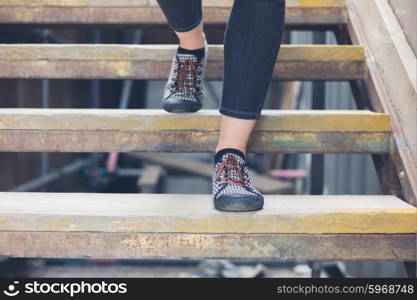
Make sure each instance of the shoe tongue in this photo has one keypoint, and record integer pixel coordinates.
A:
(233, 158)
(229, 152)
(184, 57)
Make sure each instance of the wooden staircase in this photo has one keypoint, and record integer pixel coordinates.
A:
(292, 227)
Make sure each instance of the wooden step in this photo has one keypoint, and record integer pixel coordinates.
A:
(195, 214)
(148, 130)
(173, 226)
(93, 61)
(144, 12)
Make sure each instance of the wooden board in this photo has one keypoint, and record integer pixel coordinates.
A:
(392, 80)
(92, 61)
(144, 12)
(150, 176)
(403, 10)
(113, 130)
(185, 213)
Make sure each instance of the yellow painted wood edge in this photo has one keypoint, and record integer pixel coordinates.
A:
(153, 3)
(44, 53)
(383, 221)
(316, 3)
(360, 221)
(157, 120)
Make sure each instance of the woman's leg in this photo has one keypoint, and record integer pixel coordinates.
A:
(234, 133)
(251, 46)
(192, 39)
(182, 15)
(184, 89)
(252, 42)
(185, 18)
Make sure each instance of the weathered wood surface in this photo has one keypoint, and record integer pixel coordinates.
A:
(144, 12)
(108, 130)
(89, 61)
(283, 247)
(403, 10)
(392, 80)
(185, 213)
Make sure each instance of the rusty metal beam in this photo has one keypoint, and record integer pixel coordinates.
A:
(284, 247)
(189, 141)
(295, 62)
(144, 12)
(107, 130)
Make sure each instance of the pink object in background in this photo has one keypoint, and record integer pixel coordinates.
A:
(111, 163)
(279, 173)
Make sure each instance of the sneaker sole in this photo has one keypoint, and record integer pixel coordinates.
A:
(238, 203)
(181, 107)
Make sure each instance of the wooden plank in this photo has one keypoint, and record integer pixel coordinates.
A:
(392, 68)
(265, 184)
(113, 130)
(144, 12)
(283, 247)
(185, 213)
(90, 61)
(150, 176)
(403, 11)
(206, 119)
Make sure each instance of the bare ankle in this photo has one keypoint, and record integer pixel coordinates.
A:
(192, 45)
(191, 40)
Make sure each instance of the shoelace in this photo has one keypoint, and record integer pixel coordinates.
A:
(186, 77)
(231, 164)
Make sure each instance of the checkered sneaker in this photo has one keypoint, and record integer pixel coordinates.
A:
(232, 187)
(184, 91)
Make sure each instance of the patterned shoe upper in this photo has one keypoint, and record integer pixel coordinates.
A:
(231, 176)
(186, 78)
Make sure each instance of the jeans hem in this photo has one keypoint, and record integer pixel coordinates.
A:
(185, 29)
(239, 115)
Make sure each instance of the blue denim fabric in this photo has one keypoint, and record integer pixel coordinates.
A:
(251, 44)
